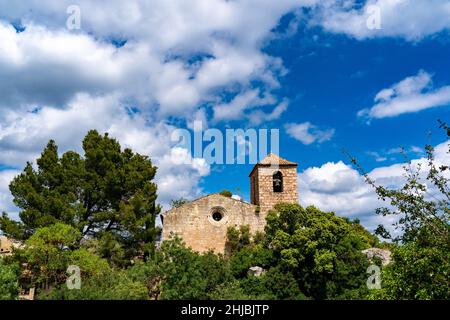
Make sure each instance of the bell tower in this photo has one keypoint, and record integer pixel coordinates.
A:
(273, 180)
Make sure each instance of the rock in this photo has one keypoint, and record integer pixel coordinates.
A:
(7, 245)
(256, 271)
(383, 254)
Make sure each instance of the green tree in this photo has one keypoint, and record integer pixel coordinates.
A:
(250, 256)
(421, 258)
(105, 191)
(237, 238)
(231, 290)
(178, 202)
(176, 272)
(8, 280)
(277, 283)
(226, 193)
(112, 285)
(321, 250)
(417, 272)
(47, 254)
(50, 251)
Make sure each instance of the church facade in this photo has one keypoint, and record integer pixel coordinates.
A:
(202, 223)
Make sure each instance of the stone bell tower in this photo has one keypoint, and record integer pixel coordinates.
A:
(273, 180)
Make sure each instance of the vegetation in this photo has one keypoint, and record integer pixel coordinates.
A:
(226, 193)
(178, 202)
(97, 212)
(107, 195)
(8, 280)
(421, 266)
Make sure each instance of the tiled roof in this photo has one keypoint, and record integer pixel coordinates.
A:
(272, 158)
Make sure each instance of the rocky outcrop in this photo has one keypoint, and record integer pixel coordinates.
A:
(7, 245)
(383, 254)
(256, 271)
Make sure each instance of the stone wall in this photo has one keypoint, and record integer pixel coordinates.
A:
(262, 187)
(194, 222)
(6, 246)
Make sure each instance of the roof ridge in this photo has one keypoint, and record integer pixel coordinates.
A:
(205, 196)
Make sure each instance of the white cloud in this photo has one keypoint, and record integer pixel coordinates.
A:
(248, 101)
(409, 19)
(179, 174)
(412, 94)
(257, 117)
(179, 59)
(308, 133)
(191, 26)
(6, 203)
(340, 188)
(377, 156)
(26, 134)
(392, 153)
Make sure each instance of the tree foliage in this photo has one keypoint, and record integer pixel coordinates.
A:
(8, 280)
(98, 212)
(421, 258)
(176, 203)
(322, 251)
(226, 193)
(106, 194)
(177, 272)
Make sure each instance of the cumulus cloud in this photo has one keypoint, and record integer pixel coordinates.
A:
(46, 67)
(176, 59)
(243, 107)
(412, 20)
(43, 67)
(392, 153)
(257, 117)
(338, 187)
(412, 94)
(377, 156)
(26, 134)
(308, 133)
(6, 203)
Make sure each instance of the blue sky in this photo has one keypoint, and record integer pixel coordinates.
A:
(331, 79)
(312, 69)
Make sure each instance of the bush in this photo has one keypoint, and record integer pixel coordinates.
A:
(8, 281)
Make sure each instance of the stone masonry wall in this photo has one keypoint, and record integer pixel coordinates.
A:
(265, 197)
(193, 221)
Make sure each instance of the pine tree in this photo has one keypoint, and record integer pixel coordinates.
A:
(107, 195)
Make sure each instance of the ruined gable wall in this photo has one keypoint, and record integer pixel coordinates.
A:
(267, 198)
(193, 222)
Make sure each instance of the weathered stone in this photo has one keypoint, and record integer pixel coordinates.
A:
(194, 222)
(7, 245)
(383, 254)
(262, 183)
(256, 271)
(202, 224)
